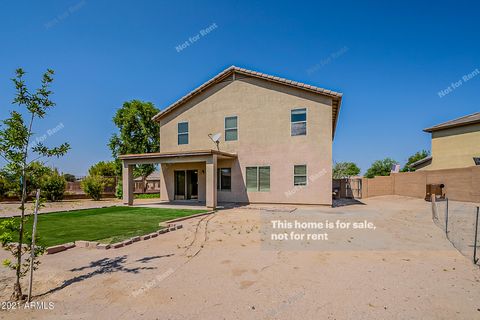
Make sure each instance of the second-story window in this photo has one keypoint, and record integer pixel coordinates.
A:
(231, 128)
(298, 120)
(183, 133)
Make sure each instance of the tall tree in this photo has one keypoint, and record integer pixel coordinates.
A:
(414, 158)
(15, 149)
(106, 172)
(380, 168)
(103, 168)
(137, 134)
(345, 170)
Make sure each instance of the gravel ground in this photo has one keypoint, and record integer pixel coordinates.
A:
(225, 266)
(9, 209)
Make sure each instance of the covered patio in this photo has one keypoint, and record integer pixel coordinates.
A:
(184, 176)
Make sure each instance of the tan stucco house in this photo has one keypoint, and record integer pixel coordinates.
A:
(455, 144)
(275, 142)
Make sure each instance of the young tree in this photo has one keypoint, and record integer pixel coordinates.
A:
(33, 177)
(137, 134)
(380, 168)
(414, 158)
(15, 149)
(345, 170)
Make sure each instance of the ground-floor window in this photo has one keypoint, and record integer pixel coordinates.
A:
(258, 178)
(300, 175)
(224, 179)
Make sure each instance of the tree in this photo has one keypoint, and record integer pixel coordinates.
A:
(106, 171)
(33, 176)
(53, 186)
(345, 170)
(3, 185)
(137, 134)
(414, 158)
(69, 177)
(103, 169)
(380, 168)
(15, 149)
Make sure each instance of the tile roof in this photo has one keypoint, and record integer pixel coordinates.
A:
(336, 96)
(462, 121)
(421, 161)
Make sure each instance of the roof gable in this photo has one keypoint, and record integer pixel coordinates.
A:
(232, 71)
(462, 121)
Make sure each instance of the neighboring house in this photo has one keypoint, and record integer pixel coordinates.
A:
(455, 144)
(275, 145)
(153, 183)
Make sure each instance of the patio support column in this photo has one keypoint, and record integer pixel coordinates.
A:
(127, 181)
(211, 182)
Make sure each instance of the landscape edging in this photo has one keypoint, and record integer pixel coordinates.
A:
(103, 246)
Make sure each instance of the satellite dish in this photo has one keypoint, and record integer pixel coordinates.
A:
(215, 137)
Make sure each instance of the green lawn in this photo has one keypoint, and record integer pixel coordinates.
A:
(147, 196)
(106, 225)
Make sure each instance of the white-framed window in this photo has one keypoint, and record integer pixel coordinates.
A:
(224, 179)
(298, 122)
(258, 178)
(300, 175)
(182, 128)
(231, 128)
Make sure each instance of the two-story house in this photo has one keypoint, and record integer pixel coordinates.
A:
(455, 144)
(274, 142)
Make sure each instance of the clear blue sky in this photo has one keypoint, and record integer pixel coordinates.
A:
(389, 59)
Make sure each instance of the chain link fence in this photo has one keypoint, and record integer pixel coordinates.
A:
(460, 222)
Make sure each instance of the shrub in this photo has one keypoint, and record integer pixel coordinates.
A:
(119, 190)
(53, 186)
(3, 186)
(93, 186)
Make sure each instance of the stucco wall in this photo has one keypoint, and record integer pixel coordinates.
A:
(455, 147)
(264, 138)
(461, 184)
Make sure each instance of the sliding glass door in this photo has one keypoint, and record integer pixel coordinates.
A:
(186, 184)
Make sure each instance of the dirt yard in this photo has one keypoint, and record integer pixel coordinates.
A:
(225, 266)
(8, 209)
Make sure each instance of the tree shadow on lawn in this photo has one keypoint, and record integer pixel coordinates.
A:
(104, 266)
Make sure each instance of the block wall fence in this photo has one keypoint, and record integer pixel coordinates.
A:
(461, 184)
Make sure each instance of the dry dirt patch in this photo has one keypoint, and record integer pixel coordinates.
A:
(219, 267)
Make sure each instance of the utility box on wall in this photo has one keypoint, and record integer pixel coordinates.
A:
(436, 189)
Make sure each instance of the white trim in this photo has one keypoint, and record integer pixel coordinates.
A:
(306, 120)
(225, 128)
(183, 133)
(258, 177)
(300, 175)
